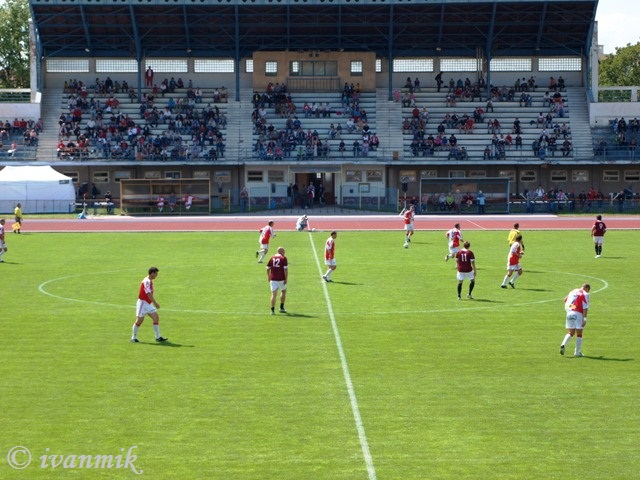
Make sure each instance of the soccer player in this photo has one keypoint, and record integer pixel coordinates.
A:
(466, 261)
(576, 304)
(513, 262)
(278, 273)
(147, 305)
(329, 256)
(3, 246)
(408, 216)
(17, 212)
(515, 231)
(266, 233)
(597, 232)
(454, 236)
(302, 223)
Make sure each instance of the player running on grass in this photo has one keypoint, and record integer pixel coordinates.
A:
(408, 217)
(454, 236)
(513, 262)
(266, 234)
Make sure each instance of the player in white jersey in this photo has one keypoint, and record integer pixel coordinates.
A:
(576, 305)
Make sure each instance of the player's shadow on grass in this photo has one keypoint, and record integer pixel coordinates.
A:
(608, 359)
(168, 344)
(345, 283)
(297, 315)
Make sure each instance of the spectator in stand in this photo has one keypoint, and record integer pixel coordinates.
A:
(561, 85)
(439, 81)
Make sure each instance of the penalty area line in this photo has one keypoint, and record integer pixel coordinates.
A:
(364, 444)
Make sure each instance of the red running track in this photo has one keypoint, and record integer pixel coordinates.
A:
(326, 223)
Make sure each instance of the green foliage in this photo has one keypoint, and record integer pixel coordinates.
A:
(622, 68)
(614, 95)
(14, 47)
(447, 389)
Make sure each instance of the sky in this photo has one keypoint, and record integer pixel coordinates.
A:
(617, 23)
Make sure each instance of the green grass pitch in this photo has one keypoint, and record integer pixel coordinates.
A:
(444, 389)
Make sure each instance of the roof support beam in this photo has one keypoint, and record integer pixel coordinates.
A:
(86, 29)
(138, 47)
(543, 18)
(489, 45)
(187, 37)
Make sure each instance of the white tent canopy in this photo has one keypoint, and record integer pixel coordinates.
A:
(39, 189)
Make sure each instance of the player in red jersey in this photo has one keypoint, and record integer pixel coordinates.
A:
(408, 217)
(454, 236)
(278, 273)
(147, 305)
(576, 304)
(513, 262)
(329, 256)
(597, 232)
(3, 246)
(466, 263)
(266, 233)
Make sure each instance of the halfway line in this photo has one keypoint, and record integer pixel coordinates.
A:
(347, 376)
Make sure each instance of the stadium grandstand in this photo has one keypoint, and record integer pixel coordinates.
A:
(366, 100)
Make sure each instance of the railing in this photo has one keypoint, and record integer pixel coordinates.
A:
(616, 153)
(15, 95)
(382, 155)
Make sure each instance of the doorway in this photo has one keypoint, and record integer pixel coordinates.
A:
(322, 182)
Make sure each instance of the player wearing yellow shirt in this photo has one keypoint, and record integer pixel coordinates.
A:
(18, 214)
(515, 231)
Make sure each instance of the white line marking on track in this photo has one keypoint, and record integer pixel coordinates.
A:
(364, 444)
(477, 225)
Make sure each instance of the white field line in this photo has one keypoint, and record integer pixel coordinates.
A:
(371, 471)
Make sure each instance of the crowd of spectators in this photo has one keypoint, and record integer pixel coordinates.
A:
(295, 140)
(19, 133)
(554, 135)
(113, 134)
(555, 199)
(622, 140)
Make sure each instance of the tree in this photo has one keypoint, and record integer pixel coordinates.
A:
(15, 18)
(621, 69)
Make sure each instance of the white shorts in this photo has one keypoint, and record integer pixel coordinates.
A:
(2, 245)
(263, 246)
(144, 308)
(330, 263)
(408, 227)
(598, 240)
(277, 285)
(574, 320)
(466, 275)
(454, 250)
(514, 268)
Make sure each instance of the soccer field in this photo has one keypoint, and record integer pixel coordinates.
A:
(381, 374)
